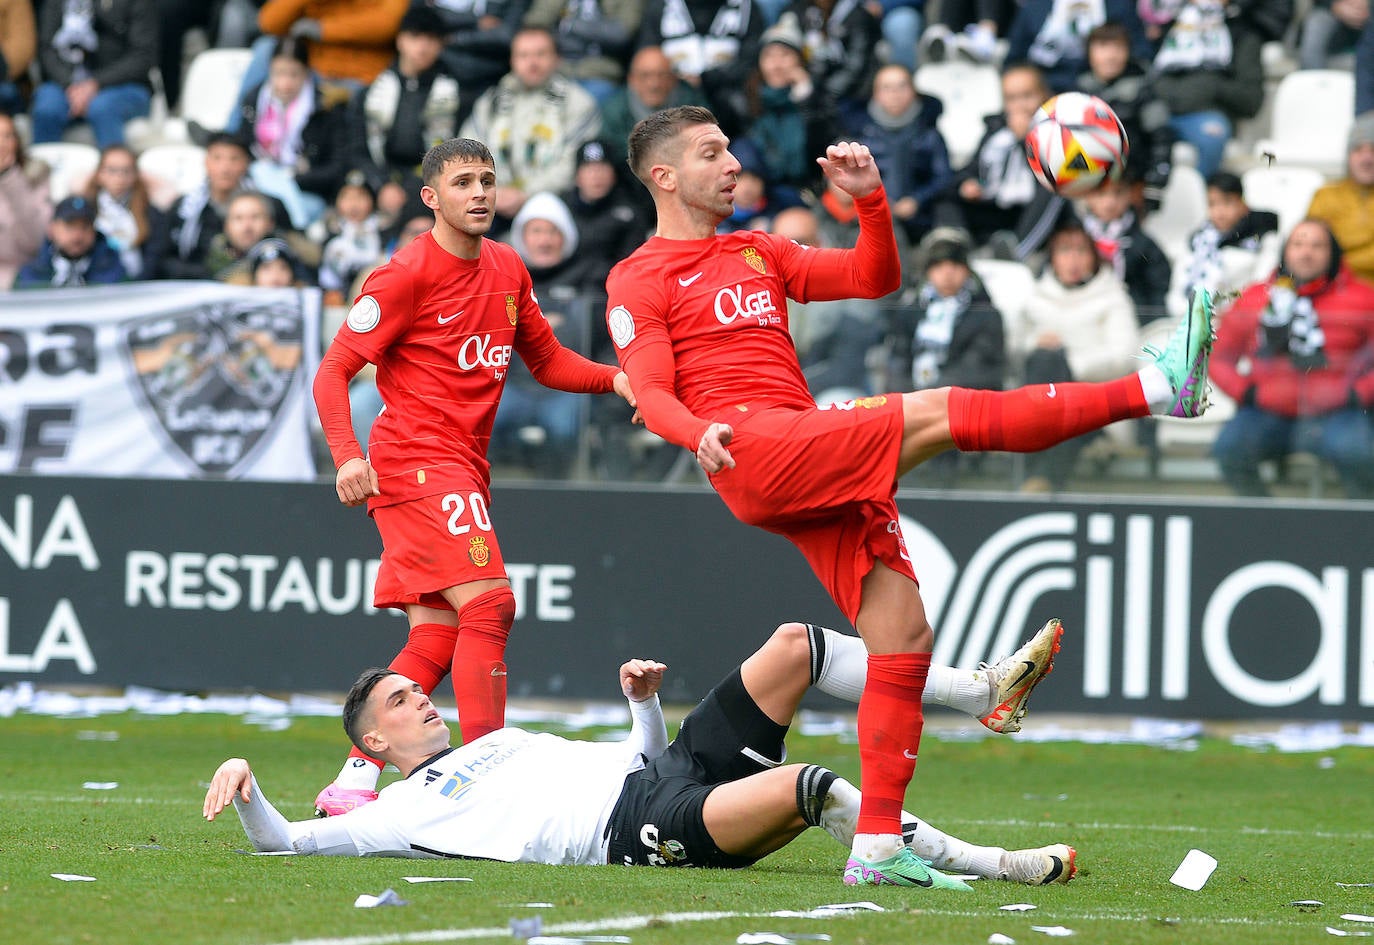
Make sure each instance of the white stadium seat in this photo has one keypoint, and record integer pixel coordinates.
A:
(1182, 210)
(1313, 112)
(1284, 189)
(968, 92)
(211, 88)
(181, 166)
(70, 163)
(1008, 284)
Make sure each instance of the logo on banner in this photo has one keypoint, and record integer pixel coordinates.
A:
(216, 375)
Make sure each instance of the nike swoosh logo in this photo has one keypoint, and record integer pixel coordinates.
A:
(688, 281)
(1030, 668)
(924, 883)
(909, 753)
(445, 321)
(1053, 392)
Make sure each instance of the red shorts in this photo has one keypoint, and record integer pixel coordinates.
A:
(433, 543)
(825, 479)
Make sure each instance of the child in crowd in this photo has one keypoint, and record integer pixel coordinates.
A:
(1124, 84)
(1236, 246)
(352, 234)
(1137, 260)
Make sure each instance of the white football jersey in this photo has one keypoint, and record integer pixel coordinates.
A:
(511, 795)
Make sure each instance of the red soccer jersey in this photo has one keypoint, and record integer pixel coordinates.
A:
(442, 331)
(705, 321)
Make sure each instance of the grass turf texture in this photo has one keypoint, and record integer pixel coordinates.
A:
(1283, 827)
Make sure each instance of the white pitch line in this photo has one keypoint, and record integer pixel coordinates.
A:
(1158, 828)
(628, 923)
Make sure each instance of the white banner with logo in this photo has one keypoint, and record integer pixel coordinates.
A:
(160, 379)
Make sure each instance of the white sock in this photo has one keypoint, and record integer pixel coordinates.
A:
(876, 846)
(839, 666)
(1159, 393)
(966, 690)
(358, 774)
(840, 813)
(949, 853)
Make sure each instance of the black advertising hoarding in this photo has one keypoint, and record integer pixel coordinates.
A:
(1207, 608)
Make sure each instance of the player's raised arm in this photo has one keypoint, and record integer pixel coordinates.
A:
(640, 681)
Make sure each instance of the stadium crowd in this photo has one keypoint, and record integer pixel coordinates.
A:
(114, 168)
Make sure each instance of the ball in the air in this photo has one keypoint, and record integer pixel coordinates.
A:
(1076, 142)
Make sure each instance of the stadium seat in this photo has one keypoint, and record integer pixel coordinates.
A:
(1284, 189)
(1313, 112)
(1008, 284)
(968, 92)
(181, 166)
(211, 89)
(70, 164)
(1183, 210)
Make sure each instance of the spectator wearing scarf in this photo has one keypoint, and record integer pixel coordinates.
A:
(1296, 352)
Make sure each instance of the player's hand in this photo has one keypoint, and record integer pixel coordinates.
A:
(232, 777)
(849, 165)
(640, 679)
(356, 480)
(623, 388)
(971, 190)
(712, 454)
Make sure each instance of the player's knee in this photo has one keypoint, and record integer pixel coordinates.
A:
(791, 641)
(493, 608)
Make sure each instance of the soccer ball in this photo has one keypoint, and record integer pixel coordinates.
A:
(1076, 142)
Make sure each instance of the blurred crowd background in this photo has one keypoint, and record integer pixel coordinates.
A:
(277, 144)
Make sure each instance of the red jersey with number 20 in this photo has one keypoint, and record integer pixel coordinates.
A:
(442, 332)
(705, 321)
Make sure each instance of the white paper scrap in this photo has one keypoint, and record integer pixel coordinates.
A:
(997, 938)
(1194, 871)
(1307, 903)
(1017, 907)
(864, 906)
(1355, 885)
(537, 905)
(437, 879)
(1343, 932)
(575, 939)
(1054, 931)
(778, 938)
(73, 877)
(387, 898)
(1356, 917)
(99, 785)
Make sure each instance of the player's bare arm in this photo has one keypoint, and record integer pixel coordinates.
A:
(355, 481)
(851, 167)
(232, 777)
(640, 679)
(712, 454)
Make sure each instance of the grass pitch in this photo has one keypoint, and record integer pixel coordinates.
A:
(1284, 828)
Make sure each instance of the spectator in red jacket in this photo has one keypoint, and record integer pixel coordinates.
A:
(1297, 354)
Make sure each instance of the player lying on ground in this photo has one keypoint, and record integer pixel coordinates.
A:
(718, 796)
(699, 322)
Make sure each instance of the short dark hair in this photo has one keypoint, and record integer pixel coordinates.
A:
(1227, 183)
(355, 704)
(292, 47)
(437, 157)
(225, 138)
(651, 133)
(1110, 32)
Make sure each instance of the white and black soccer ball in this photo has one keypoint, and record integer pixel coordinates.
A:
(1076, 142)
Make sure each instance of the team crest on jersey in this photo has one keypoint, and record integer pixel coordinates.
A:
(364, 315)
(622, 326)
(755, 261)
(479, 551)
(510, 308)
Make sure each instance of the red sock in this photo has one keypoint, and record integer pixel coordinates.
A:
(890, 723)
(1037, 417)
(479, 670)
(424, 659)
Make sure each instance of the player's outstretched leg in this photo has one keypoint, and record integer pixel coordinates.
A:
(995, 694)
(1184, 359)
(1015, 676)
(1042, 866)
